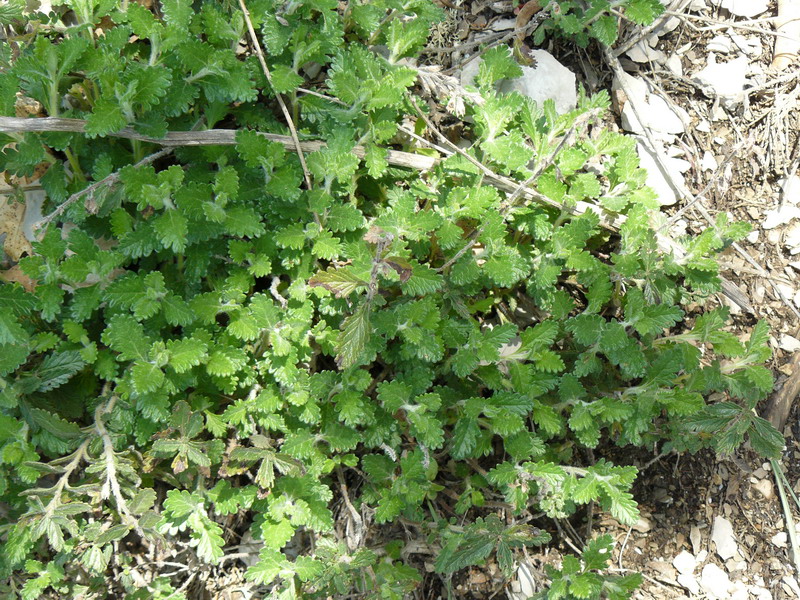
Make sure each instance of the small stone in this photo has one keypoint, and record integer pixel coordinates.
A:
(548, 80)
(779, 539)
(696, 538)
(690, 583)
(720, 43)
(503, 24)
(739, 590)
(787, 343)
(745, 8)
(667, 195)
(760, 473)
(752, 237)
(761, 593)
(749, 45)
(685, 563)
(708, 162)
(774, 236)
(790, 189)
(526, 581)
(724, 80)
(641, 52)
(780, 216)
(704, 126)
(723, 538)
(791, 238)
(786, 290)
(764, 487)
(674, 64)
(657, 114)
(643, 525)
(715, 582)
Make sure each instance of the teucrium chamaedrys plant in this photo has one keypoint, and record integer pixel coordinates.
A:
(208, 346)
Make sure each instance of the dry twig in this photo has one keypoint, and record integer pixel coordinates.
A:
(90, 190)
(268, 75)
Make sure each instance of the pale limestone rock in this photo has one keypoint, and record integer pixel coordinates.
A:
(723, 538)
(685, 563)
(715, 582)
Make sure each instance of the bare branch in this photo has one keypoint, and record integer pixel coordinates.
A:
(268, 75)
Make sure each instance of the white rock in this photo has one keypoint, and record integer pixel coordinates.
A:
(752, 237)
(696, 538)
(715, 581)
(503, 24)
(667, 25)
(667, 196)
(674, 64)
(525, 585)
(697, 5)
(704, 126)
(761, 593)
(641, 52)
(548, 80)
(789, 344)
(764, 486)
(723, 538)
(790, 189)
(749, 45)
(787, 290)
(720, 43)
(708, 162)
(690, 583)
(745, 8)
(726, 80)
(685, 563)
(657, 114)
(792, 583)
(739, 590)
(779, 539)
(791, 239)
(780, 216)
(469, 72)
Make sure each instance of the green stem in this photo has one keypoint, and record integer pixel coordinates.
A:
(76, 166)
(138, 154)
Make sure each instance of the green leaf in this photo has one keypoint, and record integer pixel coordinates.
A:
(171, 228)
(106, 117)
(765, 440)
(58, 368)
(125, 335)
(284, 79)
(497, 64)
(339, 281)
(423, 280)
(353, 338)
(55, 425)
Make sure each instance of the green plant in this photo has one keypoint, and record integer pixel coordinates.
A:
(598, 19)
(210, 345)
(579, 578)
